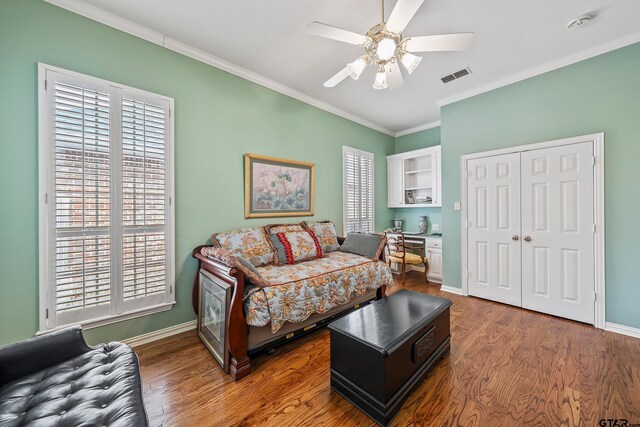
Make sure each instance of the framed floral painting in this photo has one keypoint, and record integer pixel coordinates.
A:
(277, 187)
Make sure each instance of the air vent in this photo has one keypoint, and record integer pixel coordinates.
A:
(456, 75)
(461, 73)
(449, 78)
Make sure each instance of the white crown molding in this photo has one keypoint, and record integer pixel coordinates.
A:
(100, 15)
(451, 290)
(622, 329)
(418, 128)
(216, 62)
(545, 68)
(161, 333)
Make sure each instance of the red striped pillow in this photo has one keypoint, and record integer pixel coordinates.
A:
(296, 246)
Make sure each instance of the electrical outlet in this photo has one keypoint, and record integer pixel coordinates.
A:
(435, 227)
(456, 206)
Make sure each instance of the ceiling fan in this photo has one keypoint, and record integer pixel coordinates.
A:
(385, 46)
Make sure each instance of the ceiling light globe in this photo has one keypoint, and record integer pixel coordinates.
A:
(381, 80)
(355, 68)
(386, 49)
(410, 61)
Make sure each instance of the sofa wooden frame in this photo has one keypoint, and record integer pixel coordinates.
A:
(237, 327)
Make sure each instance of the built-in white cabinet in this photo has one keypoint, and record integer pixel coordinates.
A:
(395, 181)
(414, 178)
(434, 255)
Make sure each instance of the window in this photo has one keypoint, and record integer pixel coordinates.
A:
(358, 190)
(106, 191)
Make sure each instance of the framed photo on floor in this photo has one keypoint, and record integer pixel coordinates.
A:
(214, 298)
(275, 187)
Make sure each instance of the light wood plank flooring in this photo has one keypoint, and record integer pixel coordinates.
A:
(507, 366)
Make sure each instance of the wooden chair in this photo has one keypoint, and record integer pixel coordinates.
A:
(397, 252)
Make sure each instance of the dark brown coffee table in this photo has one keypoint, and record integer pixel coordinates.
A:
(382, 351)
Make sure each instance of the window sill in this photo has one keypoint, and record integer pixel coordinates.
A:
(108, 320)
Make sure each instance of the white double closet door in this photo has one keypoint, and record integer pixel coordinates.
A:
(530, 230)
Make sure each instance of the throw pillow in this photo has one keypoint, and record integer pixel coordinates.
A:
(296, 246)
(325, 231)
(219, 254)
(283, 228)
(365, 244)
(250, 243)
(226, 257)
(250, 272)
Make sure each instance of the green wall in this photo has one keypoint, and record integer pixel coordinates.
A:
(599, 94)
(218, 117)
(411, 215)
(415, 141)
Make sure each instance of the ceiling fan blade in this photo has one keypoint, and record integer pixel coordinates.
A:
(440, 43)
(402, 14)
(394, 76)
(340, 76)
(324, 30)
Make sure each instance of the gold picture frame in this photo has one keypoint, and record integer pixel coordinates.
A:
(275, 187)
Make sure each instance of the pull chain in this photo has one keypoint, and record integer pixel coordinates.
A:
(382, 1)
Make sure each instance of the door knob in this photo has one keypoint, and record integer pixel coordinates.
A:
(515, 237)
(527, 238)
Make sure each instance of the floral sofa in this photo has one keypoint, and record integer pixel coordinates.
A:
(288, 279)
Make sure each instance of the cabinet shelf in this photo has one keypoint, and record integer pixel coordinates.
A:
(420, 205)
(418, 171)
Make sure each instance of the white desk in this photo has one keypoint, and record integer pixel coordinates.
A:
(433, 251)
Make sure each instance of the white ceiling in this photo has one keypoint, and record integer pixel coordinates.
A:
(269, 38)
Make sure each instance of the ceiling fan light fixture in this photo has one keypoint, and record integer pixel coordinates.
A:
(386, 49)
(385, 46)
(410, 61)
(356, 67)
(381, 79)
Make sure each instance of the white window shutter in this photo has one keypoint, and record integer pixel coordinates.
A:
(144, 268)
(358, 181)
(82, 175)
(106, 222)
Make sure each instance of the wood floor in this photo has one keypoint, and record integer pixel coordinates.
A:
(507, 366)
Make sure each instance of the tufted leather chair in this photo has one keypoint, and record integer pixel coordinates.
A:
(58, 380)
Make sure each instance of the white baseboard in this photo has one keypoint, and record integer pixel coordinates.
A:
(451, 290)
(621, 329)
(159, 334)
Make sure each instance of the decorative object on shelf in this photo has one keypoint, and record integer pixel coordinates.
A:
(423, 199)
(397, 224)
(409, 197)
(385, 46)
(276, 187)
(422, 224)
(213, 303)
